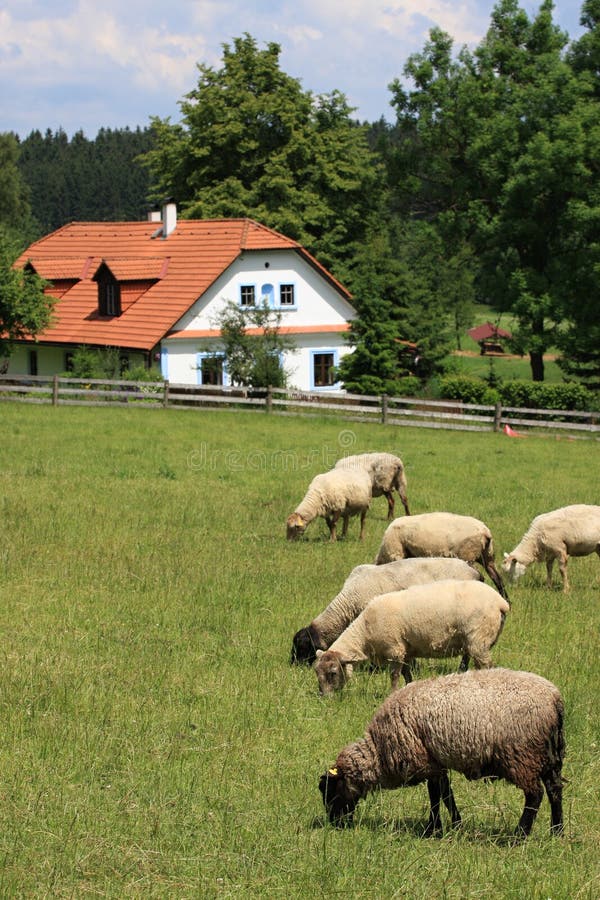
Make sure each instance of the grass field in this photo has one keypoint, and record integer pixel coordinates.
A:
(156, 742)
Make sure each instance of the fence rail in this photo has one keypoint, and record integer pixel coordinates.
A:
(448, 414)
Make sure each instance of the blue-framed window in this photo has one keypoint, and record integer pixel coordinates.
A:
(247, 295)
(281, 296)
(211, 369)
(322, 365)
(287, 295)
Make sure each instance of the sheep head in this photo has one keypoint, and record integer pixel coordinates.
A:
(332, 671)
(339, 797)
(513, 568)
(295, 526)
(304, 646)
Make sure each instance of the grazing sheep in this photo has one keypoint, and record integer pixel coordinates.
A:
(568, 531)
(443, 618)
(386, 472)
(339, 492)
(362, 584)
(441, 534)
(497, 723)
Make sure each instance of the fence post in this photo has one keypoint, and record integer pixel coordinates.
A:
(55, 391)
(269, 399)
(384, 409)
(497, 416)
(165, 402)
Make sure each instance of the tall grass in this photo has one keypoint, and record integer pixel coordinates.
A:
(155, 741)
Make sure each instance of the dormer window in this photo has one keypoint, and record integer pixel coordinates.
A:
(109, 298)
(109, 292)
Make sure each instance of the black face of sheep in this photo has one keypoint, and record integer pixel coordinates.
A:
(340, 801)
(304, 649)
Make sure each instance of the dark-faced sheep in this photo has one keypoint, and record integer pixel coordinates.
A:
(362, 584)
(494, 723)
(559, 534)
(441, 534)
(387, 475)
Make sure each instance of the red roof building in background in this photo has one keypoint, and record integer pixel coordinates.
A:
(489, 337)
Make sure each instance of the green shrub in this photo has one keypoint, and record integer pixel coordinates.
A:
(539, 395)
(467, 390)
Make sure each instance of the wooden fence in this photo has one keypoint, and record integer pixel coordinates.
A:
(447, 414)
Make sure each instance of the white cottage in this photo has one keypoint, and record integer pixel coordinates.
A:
(153, 290)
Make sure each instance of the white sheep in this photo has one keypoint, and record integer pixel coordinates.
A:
(362, 584)
(440, 619)
(568, 531)
(488, 724)
(440, 534)
(339, 492)
(386, 472)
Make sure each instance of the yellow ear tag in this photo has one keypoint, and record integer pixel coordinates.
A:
(332, 771)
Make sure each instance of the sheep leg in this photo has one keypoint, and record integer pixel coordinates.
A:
(482, 660)
(346, 520)
(331, 524)
(406, 669)
(553, 785)
(404, 499)
(562, 565)
(391, 504)
(400, 667)
(464, 663)
(533, 798)
(363, 516)
(434, 825)
(448, 798)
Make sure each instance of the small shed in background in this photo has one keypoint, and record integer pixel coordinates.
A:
(489, 337)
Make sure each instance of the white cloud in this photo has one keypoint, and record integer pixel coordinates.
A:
(80, 64)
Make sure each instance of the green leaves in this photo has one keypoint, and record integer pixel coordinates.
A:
(24, 308)
(253, 359)
(253, 143)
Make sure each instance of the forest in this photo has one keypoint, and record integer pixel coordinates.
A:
(485, 188)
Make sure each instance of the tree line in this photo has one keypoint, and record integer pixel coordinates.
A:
(486, 187)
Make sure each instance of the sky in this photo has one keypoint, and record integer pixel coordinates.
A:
(82, 65)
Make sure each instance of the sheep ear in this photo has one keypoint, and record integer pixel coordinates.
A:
(506, 555)
(319, 653)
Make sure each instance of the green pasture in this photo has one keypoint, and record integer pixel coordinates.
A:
(506, 367)
(155, 741)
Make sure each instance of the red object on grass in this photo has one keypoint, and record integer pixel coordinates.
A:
(508, 431)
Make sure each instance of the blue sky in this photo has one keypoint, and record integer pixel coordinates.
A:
(80, 64)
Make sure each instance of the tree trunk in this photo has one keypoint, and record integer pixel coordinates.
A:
(536, 360)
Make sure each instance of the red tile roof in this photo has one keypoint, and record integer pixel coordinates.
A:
(487, 331)
(177, 271)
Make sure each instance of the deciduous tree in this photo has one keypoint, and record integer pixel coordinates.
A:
(253, 143)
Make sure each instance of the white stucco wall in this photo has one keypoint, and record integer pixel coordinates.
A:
(181, 358)
(316, 303)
